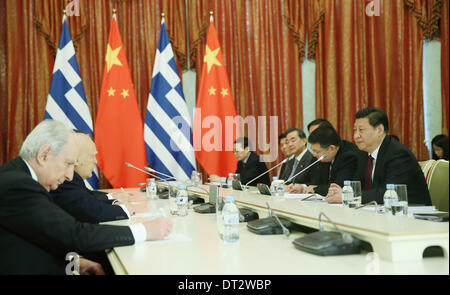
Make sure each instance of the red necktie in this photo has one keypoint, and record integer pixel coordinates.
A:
(368, 182)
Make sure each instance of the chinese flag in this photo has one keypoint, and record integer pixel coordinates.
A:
(213, 134)
(119, 131)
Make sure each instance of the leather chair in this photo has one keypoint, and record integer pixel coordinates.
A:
(436, 175)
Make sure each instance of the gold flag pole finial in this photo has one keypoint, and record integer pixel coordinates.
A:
(163, 15)
(211, 16)
(64, 12)
(114, 11)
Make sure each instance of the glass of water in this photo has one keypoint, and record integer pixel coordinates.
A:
(400, 207)
(357, 195)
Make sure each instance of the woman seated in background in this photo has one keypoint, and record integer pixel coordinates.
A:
(440, 147)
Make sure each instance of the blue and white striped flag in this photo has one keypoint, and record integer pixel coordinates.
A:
(66, 100)
(167, 128)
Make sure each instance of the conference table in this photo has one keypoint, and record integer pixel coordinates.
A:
(396, 244)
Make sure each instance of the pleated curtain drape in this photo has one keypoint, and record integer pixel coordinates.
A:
(360, 60)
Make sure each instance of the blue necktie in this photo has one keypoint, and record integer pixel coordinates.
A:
(294, 167)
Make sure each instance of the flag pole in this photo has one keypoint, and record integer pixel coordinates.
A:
(211, 16)
(114, 14)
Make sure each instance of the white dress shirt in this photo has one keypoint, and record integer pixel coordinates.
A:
(374, 155)
(137, 230)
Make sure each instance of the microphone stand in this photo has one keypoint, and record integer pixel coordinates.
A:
(295, 175)
(131, 166)
(282, 162)
(286, 232)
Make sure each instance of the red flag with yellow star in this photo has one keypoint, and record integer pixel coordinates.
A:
(214, 132)
(119, 131)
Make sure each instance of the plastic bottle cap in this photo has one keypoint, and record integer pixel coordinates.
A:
(390, 186)
(229, 199)
(230, 174)
(181, 186)
(346, 182)
(152, 179)
(275, 178)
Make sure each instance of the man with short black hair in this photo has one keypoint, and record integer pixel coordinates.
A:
(283, 147)
(313, 125)
(340, 162)
(296, 141)
(385, 161)
(250, 165)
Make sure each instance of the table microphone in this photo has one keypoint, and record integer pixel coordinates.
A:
(315, 162)
(161, 195)
(326, 243)
(129, 165)
(157, 172)
(282, 162)
(286, 232)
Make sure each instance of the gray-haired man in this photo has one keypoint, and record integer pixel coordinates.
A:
(35, 233)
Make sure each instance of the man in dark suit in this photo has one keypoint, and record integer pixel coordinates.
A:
(36, 235)
(249, 164)
(340, 162)
(282, 141)
(385, 161)
(296, 140)
(79, 201)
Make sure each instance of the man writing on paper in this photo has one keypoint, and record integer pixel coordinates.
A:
(80, 202)
(35, 233)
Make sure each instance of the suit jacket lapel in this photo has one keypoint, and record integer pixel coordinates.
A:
(304, 162)
(288, 169)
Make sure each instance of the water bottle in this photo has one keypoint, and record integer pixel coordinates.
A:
(279, 188)
(173, 201)
(230, 219)
(182, 200)
(272, 185)
(195, 178)
(390, 196)
(151, 190)
(347, 193)
(219, 208)
(230, 180)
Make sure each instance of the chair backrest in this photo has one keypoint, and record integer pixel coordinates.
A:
(426, 165)
(438, 184)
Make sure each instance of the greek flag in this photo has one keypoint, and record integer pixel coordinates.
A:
(167, 128)
(66, 100)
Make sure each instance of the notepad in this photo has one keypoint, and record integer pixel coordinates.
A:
(311, 197)
(173, 237)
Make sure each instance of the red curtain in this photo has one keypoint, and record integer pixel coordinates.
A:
(257, 40)
(360, 60)
(370, 61)
(3, 93)
(31, 31)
